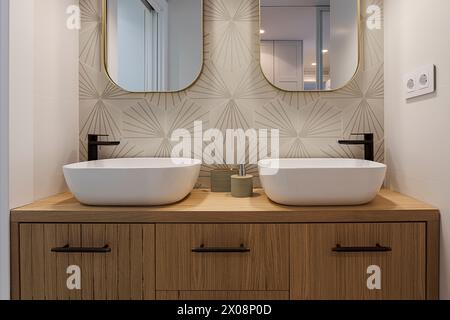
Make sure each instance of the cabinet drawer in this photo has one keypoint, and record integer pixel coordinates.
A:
(114, 261)
(222, 257)
(335, 261)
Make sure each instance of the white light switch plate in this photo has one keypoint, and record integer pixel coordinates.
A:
(420, 82)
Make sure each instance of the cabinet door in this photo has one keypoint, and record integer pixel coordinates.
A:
(222, 295)
(222, 257)
(358, 261)
(86, 262)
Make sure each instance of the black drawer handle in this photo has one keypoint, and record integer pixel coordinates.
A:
(377, 248)
(203, 249)
(69, 249)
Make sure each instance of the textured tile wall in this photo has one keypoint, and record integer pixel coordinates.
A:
(230, 93)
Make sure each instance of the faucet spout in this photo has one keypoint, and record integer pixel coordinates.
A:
(368, 143)
(93, 145)
(104, 143)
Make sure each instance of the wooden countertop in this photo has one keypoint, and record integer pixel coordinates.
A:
(203, 206)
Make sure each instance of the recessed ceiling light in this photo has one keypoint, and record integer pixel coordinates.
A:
(325, 51)
(314, 64)
(262, 31)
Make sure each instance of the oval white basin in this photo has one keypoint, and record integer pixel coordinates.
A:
(132, 182)
(320, 182)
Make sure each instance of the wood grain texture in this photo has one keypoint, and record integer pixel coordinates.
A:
(319, 273)
(264, 268)
(112, 259)
(62, 262)
(206, 207)
(222, 295)
(75, 239)
(433, 255)
(124, 262)
(99, 266)
(15, 261)
(26, 258)
(136, 262)
(51, 269)
(149, 262)
(87, 265)
(120, 274)
(38, 261)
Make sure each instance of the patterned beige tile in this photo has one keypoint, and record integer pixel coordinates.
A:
(230, 93)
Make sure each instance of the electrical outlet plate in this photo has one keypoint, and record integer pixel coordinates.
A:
(420, 82)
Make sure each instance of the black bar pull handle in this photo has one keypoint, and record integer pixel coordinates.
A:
(377, 248)
(69, 249)
(203, 249)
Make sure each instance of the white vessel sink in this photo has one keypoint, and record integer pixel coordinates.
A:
(317, 182)
(132, 182)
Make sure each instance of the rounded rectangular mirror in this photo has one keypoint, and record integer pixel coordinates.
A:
(153, 45)
(309, 45)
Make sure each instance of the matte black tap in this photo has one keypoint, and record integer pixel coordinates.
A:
(93, 145)
(368, 142)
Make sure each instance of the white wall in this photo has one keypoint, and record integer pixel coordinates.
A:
(56, 83)
(21, 88)
(417, 132)
(4, 149)
(43, 98)
(343, 41)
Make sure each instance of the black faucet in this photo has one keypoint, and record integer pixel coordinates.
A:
(368, 142)
(93, 145)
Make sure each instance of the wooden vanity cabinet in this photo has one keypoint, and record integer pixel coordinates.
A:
(222, 257)
(214, 247)
(336, 261)
(116, 261)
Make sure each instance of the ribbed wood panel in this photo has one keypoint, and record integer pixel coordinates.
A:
(264, 268)
(127, 272)
(319, 273)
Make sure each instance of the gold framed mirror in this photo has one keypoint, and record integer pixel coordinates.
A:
(310, 45)
(153, 45)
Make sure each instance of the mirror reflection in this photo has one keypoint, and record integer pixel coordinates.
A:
(154, 45)
(309, 45)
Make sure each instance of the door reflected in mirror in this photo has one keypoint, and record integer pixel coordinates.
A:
(309, 45)
(153, 45)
